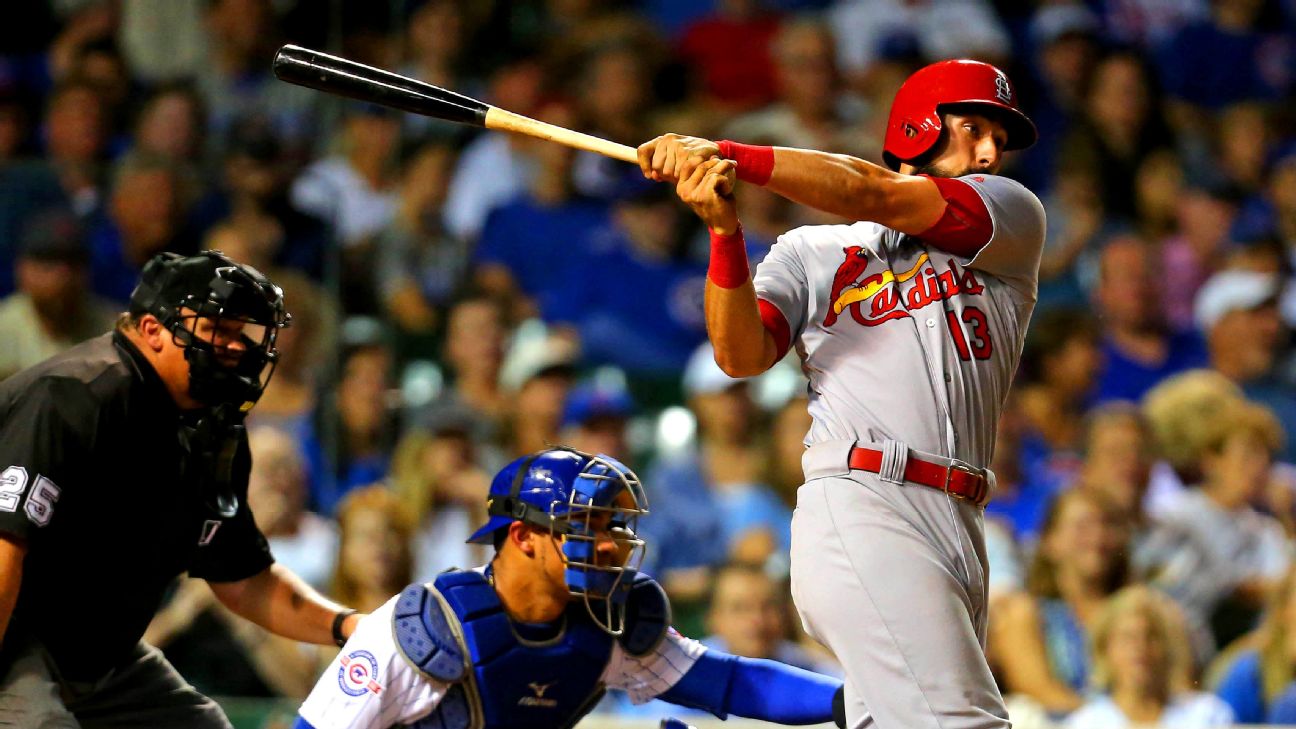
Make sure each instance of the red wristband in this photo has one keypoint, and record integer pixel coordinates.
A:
(728, 268)
(755, 162)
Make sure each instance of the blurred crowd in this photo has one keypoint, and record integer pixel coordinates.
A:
(460, 298)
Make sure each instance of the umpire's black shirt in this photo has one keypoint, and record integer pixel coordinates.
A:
(91, 477)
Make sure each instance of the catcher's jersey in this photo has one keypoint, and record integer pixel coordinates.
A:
(370, 685)
(904, 341)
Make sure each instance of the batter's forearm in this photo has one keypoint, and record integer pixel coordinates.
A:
(854, 189)
(282, 603)
(834, 183)
(743, 347)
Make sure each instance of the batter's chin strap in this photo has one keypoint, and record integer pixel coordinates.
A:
(839, 706)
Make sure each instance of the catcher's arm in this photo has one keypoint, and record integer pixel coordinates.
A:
(757, 688)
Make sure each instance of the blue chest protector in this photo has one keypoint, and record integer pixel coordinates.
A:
(456, 631)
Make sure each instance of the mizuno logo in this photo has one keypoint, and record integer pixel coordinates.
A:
(539, 700)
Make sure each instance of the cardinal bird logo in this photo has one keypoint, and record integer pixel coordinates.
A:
(847, 273)
(847, 289)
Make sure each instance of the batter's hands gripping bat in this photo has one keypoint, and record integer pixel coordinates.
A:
(317, 70)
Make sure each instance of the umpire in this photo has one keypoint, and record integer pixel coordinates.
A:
(124, 463)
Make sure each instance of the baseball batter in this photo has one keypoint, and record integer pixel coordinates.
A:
(910, 324)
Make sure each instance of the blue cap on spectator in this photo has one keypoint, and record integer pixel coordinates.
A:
(587, 402)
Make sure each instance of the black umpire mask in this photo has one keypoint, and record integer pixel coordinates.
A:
(225, 315)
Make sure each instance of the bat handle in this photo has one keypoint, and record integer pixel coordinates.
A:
(507, 121)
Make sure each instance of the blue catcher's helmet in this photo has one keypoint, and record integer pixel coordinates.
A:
(562, 490)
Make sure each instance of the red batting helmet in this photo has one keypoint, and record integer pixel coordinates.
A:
(915, 122)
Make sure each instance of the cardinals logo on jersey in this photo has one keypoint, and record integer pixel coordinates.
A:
(892, 294)
(847, 274)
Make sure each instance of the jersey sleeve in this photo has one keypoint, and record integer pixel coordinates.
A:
(781, 282)
(232, 549)
(369, 685)
(44, 437)
(1017, 225)
(645, 677)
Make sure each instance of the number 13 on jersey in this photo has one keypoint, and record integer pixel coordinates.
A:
(971, 333)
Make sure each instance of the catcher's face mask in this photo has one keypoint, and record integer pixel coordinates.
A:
(601, 551)
(590, 506)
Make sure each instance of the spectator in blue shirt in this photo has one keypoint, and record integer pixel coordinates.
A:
(638, 304)
(1225, 58)
(530, 246)
(349, 445)
(1064, 37)
(1137, 344)
(144, 218)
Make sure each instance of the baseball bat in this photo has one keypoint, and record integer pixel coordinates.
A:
(318, 70)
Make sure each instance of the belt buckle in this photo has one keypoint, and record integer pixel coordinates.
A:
(957, 465)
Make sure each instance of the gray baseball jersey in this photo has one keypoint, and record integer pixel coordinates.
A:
(902, 340)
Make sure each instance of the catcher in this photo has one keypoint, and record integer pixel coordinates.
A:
(535, 638)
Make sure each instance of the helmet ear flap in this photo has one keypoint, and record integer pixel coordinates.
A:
(925, 135)
(911, 137)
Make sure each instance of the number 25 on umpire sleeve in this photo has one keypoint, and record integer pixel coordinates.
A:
(980, 345)
(40, 502)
